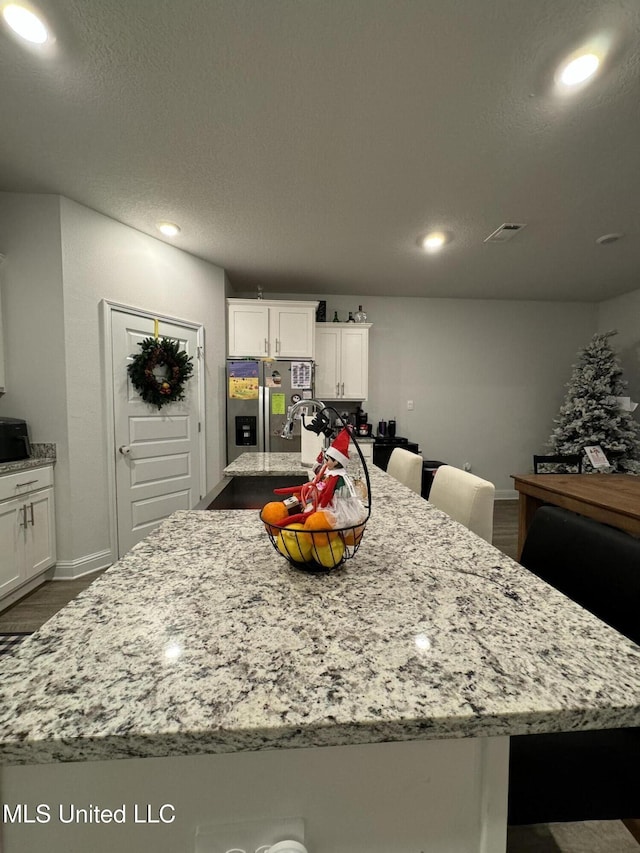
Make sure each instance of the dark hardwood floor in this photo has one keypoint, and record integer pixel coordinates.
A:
(32, 611)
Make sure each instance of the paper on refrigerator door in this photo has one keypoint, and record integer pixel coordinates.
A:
(301, 374)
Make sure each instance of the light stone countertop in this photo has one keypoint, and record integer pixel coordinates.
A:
(42, 454)
(203, 639)
(25, 464)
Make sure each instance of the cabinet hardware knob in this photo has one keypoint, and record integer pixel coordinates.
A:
(124, 449)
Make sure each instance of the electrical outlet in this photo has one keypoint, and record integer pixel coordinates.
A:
(248, 836)
(409, 405)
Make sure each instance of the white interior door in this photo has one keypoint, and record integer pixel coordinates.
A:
(157, 451)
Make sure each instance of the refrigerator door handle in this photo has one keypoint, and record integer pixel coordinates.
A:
(263, 403)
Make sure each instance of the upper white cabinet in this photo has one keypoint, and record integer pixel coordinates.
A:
(275, 329)
(342, 361)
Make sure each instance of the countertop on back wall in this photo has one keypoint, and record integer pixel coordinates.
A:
(41, 454)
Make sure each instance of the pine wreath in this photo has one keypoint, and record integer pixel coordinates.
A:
(155, 352)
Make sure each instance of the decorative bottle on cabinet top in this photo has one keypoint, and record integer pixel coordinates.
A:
(360, 317)
(350, 320)
(336, 319)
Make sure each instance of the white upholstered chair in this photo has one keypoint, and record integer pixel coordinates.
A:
(466, 498)
(406, 467)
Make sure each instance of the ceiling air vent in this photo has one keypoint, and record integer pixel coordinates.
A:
(505, 232)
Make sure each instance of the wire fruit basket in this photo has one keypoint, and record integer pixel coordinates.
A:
(324, 549)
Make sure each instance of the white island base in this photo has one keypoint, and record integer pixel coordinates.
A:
(430, 796)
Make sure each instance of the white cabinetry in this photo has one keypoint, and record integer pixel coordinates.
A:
(27, 528)
(342, 361)
(278, 329)
(366, 448)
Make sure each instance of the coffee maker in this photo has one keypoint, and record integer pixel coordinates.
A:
(363, 428)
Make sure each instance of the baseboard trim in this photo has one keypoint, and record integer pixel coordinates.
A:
(506, 495)
(68, 570)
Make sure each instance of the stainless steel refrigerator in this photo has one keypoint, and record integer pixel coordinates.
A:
(259, 393)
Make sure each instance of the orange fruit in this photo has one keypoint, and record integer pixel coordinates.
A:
(353, 535)
(274, 512)
(321, 521)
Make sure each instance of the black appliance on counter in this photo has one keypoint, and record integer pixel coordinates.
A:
(14, 440)
(383, 448)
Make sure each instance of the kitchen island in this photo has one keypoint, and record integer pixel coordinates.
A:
(375, 702)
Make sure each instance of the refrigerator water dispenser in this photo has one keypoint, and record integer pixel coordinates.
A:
(246, 431)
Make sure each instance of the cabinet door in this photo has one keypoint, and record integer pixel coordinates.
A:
(354, 364)
(327, 363)
(11, 545)
(248, 330)
(40, 545)
(292, 331)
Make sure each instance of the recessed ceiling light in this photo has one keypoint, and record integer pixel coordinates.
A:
(169, 229)
(434, 241)
(25, 23)
(578, 70)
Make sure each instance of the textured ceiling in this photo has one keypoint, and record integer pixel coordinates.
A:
(305, 145)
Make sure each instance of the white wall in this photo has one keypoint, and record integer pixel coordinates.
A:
(34, 328)
(486, 377)
(623, 314)
(62, 260)
(103, 259)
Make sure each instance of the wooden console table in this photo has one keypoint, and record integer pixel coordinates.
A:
(610, 498)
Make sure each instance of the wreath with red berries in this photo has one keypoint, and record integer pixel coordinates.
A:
(159, 352)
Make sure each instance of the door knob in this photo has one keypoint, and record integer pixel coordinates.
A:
(124, 449)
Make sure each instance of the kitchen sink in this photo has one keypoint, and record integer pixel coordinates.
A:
(250, 492)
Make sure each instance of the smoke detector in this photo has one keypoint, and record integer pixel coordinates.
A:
(505, 232)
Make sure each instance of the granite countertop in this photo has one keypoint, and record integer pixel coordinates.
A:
(25, 464)
(203, 640)
(41, 454)
(272, 464)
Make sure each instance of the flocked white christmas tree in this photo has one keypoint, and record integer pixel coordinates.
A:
(591, 414)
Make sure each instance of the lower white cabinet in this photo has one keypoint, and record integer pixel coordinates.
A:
(366, 448)
(27, 527)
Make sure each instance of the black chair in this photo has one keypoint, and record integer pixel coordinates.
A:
(586, 775)
(560, 460)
